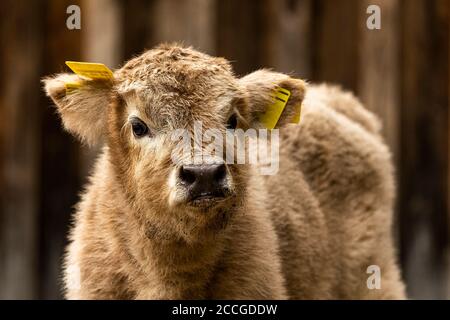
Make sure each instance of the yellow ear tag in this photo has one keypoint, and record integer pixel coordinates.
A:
(270, 118)
(71, 86)
(88, 70)
(92, 71)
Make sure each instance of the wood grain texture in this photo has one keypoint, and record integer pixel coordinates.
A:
(424, 146)
(288, 38)
(192, 22)
(336, 42)
(21, 30)
(378, 72)
(60, 180)
(240, 27)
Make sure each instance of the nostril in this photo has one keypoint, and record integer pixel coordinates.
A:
(187, 176)
(220, 173)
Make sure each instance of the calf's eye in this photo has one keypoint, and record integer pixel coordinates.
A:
(140, 129)
(232, 121)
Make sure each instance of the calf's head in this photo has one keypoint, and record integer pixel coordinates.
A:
(162, 91)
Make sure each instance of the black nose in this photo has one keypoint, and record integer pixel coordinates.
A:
(204, 180)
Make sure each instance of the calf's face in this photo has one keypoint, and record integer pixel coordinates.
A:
(158, 100)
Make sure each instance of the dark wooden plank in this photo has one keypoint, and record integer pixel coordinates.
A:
(378, 71)
(288, 38)
(21, 33)
(239, 34)
(424, 146)
(335, 35)
(60, 182)
(191, 22)
(378, 74)
(96, 43)
(148, 23)
(136, 23)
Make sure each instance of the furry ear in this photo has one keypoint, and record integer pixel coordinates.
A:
(83, 110)
(260, 87)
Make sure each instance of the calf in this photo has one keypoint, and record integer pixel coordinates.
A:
(148, 227)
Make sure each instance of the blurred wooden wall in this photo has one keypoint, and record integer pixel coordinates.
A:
(400, 72)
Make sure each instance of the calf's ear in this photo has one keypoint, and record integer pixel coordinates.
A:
(82, 104)
(262, 86)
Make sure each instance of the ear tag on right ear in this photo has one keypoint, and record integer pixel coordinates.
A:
(270, 118)
(72, 86)
(89, 71)
(92, 71)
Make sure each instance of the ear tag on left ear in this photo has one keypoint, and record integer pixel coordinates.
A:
(270, 118)
(92, 71)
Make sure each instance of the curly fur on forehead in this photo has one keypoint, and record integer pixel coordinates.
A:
(175, 69)
(173, 85)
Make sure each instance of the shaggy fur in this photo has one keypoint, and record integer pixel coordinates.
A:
(308, 232)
